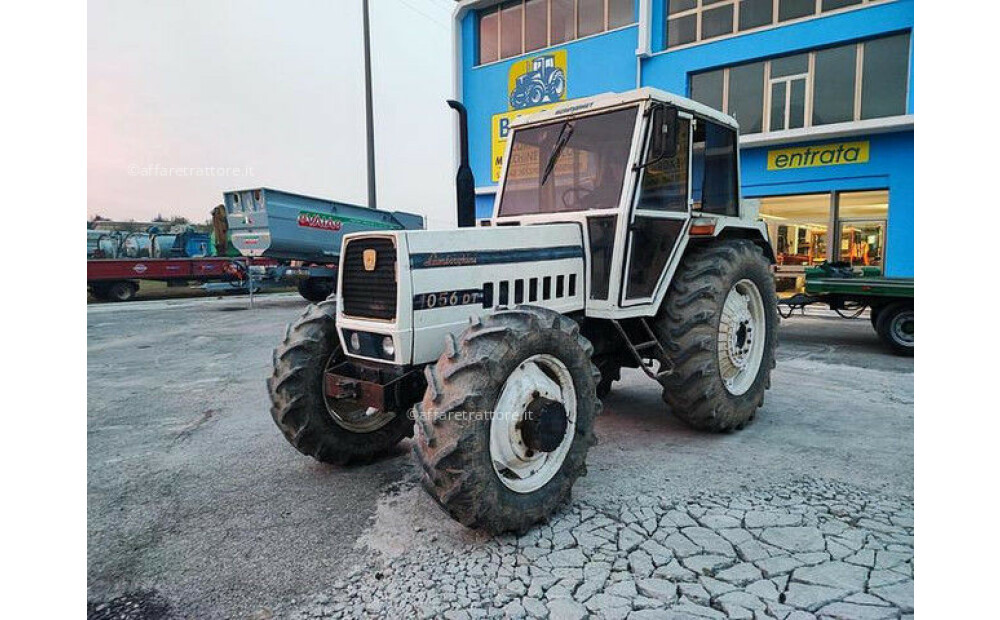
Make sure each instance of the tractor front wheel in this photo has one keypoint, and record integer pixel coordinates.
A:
(326, 430)
(720, 323)
(504, 427)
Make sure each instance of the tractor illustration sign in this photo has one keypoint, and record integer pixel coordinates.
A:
(533, 85)
(537, 80)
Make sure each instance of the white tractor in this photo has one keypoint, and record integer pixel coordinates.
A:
(618, 239)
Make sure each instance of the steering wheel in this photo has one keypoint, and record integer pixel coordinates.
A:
(576, 191)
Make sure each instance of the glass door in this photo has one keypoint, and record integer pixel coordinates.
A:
(862, 218)
(799, 229)
(862, 243)
(661, 209)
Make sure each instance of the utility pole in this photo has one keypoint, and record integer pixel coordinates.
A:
(369, 116)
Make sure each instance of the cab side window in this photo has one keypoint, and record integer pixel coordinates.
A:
(713, 169)
(665, 181)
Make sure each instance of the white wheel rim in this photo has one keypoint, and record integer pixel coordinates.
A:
(902, 328)
(742, 335)
(515, 465)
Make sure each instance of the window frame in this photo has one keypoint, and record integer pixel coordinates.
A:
(498, 7)
(834, 225)
(810, 78)
(699, 208)
(701, 7)
(837, 221)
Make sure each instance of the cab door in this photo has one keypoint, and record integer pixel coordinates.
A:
(661, 208)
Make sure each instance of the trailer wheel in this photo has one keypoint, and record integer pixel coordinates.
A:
(720, 325)
(99, 290)
(121, 291)
(873, 315)
(895, 327)
(316, 289)
(507, 419)
(313, 426)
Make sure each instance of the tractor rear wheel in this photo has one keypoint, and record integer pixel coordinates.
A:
(504, 427)
(720, 323)
(310, 422)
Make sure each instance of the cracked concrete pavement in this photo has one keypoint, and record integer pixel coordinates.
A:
(805, 549)
(198, 508)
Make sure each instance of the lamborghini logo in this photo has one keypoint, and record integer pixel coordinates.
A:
(369, 257)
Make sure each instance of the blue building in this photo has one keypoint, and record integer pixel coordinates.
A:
(822, 89)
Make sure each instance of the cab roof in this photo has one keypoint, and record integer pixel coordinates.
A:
(609, 100)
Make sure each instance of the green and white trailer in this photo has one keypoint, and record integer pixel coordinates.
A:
(849, 291)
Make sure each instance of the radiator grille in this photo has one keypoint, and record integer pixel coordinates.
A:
(369, 294)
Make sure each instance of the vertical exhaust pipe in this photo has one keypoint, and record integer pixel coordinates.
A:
(465, 183)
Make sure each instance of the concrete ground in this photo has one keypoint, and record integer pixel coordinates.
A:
(197, 507)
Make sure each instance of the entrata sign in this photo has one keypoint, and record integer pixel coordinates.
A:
(822, 155)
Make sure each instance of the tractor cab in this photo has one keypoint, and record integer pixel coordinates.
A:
(542, 62)
(643, 174)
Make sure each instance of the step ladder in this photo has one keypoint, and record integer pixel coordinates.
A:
(647, 352)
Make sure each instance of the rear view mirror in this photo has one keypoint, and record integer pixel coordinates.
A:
(664, 138)
(663, 135)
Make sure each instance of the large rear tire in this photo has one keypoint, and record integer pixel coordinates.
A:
(479, 461)
(720, 300)
(300, 408)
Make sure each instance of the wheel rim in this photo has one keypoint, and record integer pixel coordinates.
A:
(517, 466)
(742, 335)
(901, 328)
(356, 419)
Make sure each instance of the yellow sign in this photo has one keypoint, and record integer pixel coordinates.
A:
(821, 155)
(533, 84)
(499, 128)
(537, 80)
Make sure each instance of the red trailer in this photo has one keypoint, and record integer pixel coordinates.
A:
(118, 279)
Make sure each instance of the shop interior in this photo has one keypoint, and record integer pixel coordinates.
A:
(800, 230)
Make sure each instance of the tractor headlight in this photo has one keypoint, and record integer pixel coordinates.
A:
(388, 347)
(355, 342)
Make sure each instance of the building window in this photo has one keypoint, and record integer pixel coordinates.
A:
(787, 88)
(489, 32)
(833, 90)
(746, 96)
(519, 26)
(862, 218)
(885, 72)
(835, 85)
(536, 24)
(511, 35)
(801, 229)
(689, 21)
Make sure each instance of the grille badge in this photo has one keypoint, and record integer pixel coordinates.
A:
(369, 257)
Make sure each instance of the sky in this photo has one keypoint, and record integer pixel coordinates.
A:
(188, 99)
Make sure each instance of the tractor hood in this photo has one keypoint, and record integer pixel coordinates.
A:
(417, 286)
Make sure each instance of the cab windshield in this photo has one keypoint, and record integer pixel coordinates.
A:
(576, 164)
